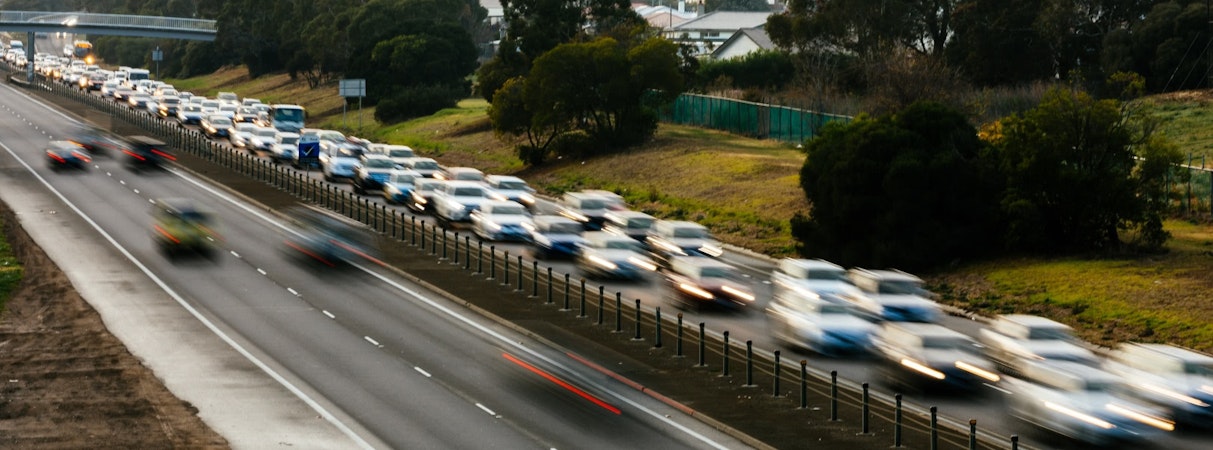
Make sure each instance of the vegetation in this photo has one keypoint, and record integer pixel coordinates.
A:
(10, 270)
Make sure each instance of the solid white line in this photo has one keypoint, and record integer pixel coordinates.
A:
(423, 372)
(521, 348)
(486, 409)
(372, 341)
(327, 313)
(1004, 391)
(260, 271)
(193, 311)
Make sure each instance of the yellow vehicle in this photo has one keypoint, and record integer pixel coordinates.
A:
(182, 228)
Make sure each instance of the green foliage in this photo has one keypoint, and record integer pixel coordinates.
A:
(417, 101)
(909, 190)
(763, 69)
(10, 271)
(985, 28)
(737, 5)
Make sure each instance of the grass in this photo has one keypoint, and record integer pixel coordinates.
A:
(10, 272)
(745, 190)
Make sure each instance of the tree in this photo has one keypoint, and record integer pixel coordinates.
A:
(909, 190)
(1072, 183)
(737, 5)
(995, 43)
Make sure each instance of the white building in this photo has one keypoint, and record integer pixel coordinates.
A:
(711, 30)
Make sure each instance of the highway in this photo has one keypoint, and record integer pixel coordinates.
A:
(380, 318)
(397, 365)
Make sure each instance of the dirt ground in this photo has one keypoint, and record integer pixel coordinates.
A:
(67, 383)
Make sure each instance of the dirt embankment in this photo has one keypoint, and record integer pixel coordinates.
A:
(66, 382)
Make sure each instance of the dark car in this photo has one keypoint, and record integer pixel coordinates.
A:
(66, 155)
(144, 153)
(95, 141)
(183, 227)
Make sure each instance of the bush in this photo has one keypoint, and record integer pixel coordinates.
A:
(418, 101)
(764, 69)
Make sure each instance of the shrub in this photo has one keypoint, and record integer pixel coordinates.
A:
(418, 101)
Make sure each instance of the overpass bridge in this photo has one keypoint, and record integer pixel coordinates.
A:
(34, 22)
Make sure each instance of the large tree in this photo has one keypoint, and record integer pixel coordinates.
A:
(909, 190)
(1072, 180)
(995, 42)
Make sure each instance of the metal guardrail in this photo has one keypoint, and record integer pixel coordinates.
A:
(528, 279)
(80, 19)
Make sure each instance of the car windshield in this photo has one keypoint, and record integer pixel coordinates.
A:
(376, 163)
(400, 153)
(565, 228)
(426, 165)
(512, 185)
(221, 121)
(192, 108)
(945, 343)
(622, 244)
(424, 187)
(290, 115)
(509, 209)
(690, 232)
(468, 192)
(640, 223)
(1199, 369)
(331, 136)
(347, 152)
(900, 288)
(267, 133)
(593, 203)
(170, 101)
(715, 272)
(468, 176)
(289, 140)
(403, 178)
(833, 308)
(1049, 334)
(828, 275)
(210, 104)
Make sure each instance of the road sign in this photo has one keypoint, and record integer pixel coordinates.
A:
(309, 151)
(157, 55)
(352, 88)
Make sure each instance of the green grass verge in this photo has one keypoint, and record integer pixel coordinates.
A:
(10, 273)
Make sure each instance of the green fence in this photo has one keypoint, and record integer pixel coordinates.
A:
(757, 120)
(1193, 193)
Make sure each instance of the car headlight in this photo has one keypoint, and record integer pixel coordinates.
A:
(711, 250)
(983, 373)
(643, 263)
(696, 291)
(575, 216)
(602, 262)
(491, 226)
(420, 200)
(738, 293)
(498, 196)
(922, 368)
(527, 199)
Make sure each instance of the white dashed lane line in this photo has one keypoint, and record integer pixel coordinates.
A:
(422, 371)
(486, 409)
(331, 316)
(372, 341)
(293, 291)
(260, 271)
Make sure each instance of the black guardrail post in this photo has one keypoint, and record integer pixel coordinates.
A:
(866, 412)
(618, 312)
(522, 269)
(897, 420)
(535, 282)
(1014, 442)
(413, 231)
(725, 373)
(702, 347)
(455, 260)
(833, 396)
(775, 388)
(678, 342)
(505, 278)
(972, 434)
(444, 240)
(479, 257)
(581, 309)
(423, 235)
(601, 303)
(749, 364)
(657, 333)
(566, 293)
(804, 384)
(637, 337)
(467, 253)
(934, 440)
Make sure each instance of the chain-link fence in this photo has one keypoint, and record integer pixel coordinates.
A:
(759, 120)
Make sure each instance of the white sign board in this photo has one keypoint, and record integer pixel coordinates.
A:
(352, 88)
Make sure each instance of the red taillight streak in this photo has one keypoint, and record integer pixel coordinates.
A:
(168, 235)
(134, 155)
(562, 383)
(164, 155)
(57, 158)
(308, 253)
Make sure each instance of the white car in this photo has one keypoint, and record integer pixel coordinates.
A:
(340, 161)
(502, 220)
(454, 201)
(460, 174)
(698, 283)
(263, 138)
(399, 186)
(427, 167)
(669, 239)
(821, 324)
(1014, 341)
(398, 153)
(605, 255)
(372, 171)
(1175, 378)
(190, 114)
(893, 295)
(241, 134)
(927, 356)
(285, 147)
(511, 188)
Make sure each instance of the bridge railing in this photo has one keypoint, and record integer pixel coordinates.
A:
(108, 20)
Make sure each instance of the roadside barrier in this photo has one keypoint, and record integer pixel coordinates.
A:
(391, 223)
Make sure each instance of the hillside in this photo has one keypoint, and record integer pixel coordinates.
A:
(746, 190)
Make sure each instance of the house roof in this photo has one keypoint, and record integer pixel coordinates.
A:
(757, 35)
(726, 21)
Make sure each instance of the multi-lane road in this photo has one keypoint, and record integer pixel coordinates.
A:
(341, 335)
(393, 363)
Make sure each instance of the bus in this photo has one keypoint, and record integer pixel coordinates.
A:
(83, 50)
(288, 118)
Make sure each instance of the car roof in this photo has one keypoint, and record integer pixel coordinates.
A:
(485, 206)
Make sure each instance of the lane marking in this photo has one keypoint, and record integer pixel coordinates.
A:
(292, 291)
(233, 252)
(260, 271)
(423, 372)
(486, 409)
(372, 341)
(1004, 391)
(574, 389)
(327, 313)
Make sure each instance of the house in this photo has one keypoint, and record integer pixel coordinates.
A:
(664, 17)
(743, 42)
(711, 30)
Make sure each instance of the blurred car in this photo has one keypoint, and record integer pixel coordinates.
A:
(340, 160)
(123, 94)
(263, 139)
(427, 167)
(505, 187)
(892, 295)
(699, 283)
(587, 208)
(420, 197)
(811, 277)
(668, 239)
(146, 153)
(245, 114)
(216, 126)
(182, 227)
(167, 106)
(62, 155)
(460, 174)
(927, 356)
(556, 237)
(633, 224)
(1014, 341)
(398, 153)
(610, 256)
(399, 186)
(1175, 378)
(329, 239)
(189, 114)
(372, 171)
(1083, 403)
(822, 324)
(502, 220)
(95, 141)
(138, 100)
(241, 135)
(286, 146)
(455, 201)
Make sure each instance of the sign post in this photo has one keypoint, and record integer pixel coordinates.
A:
(355, 87)
(157, 56)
